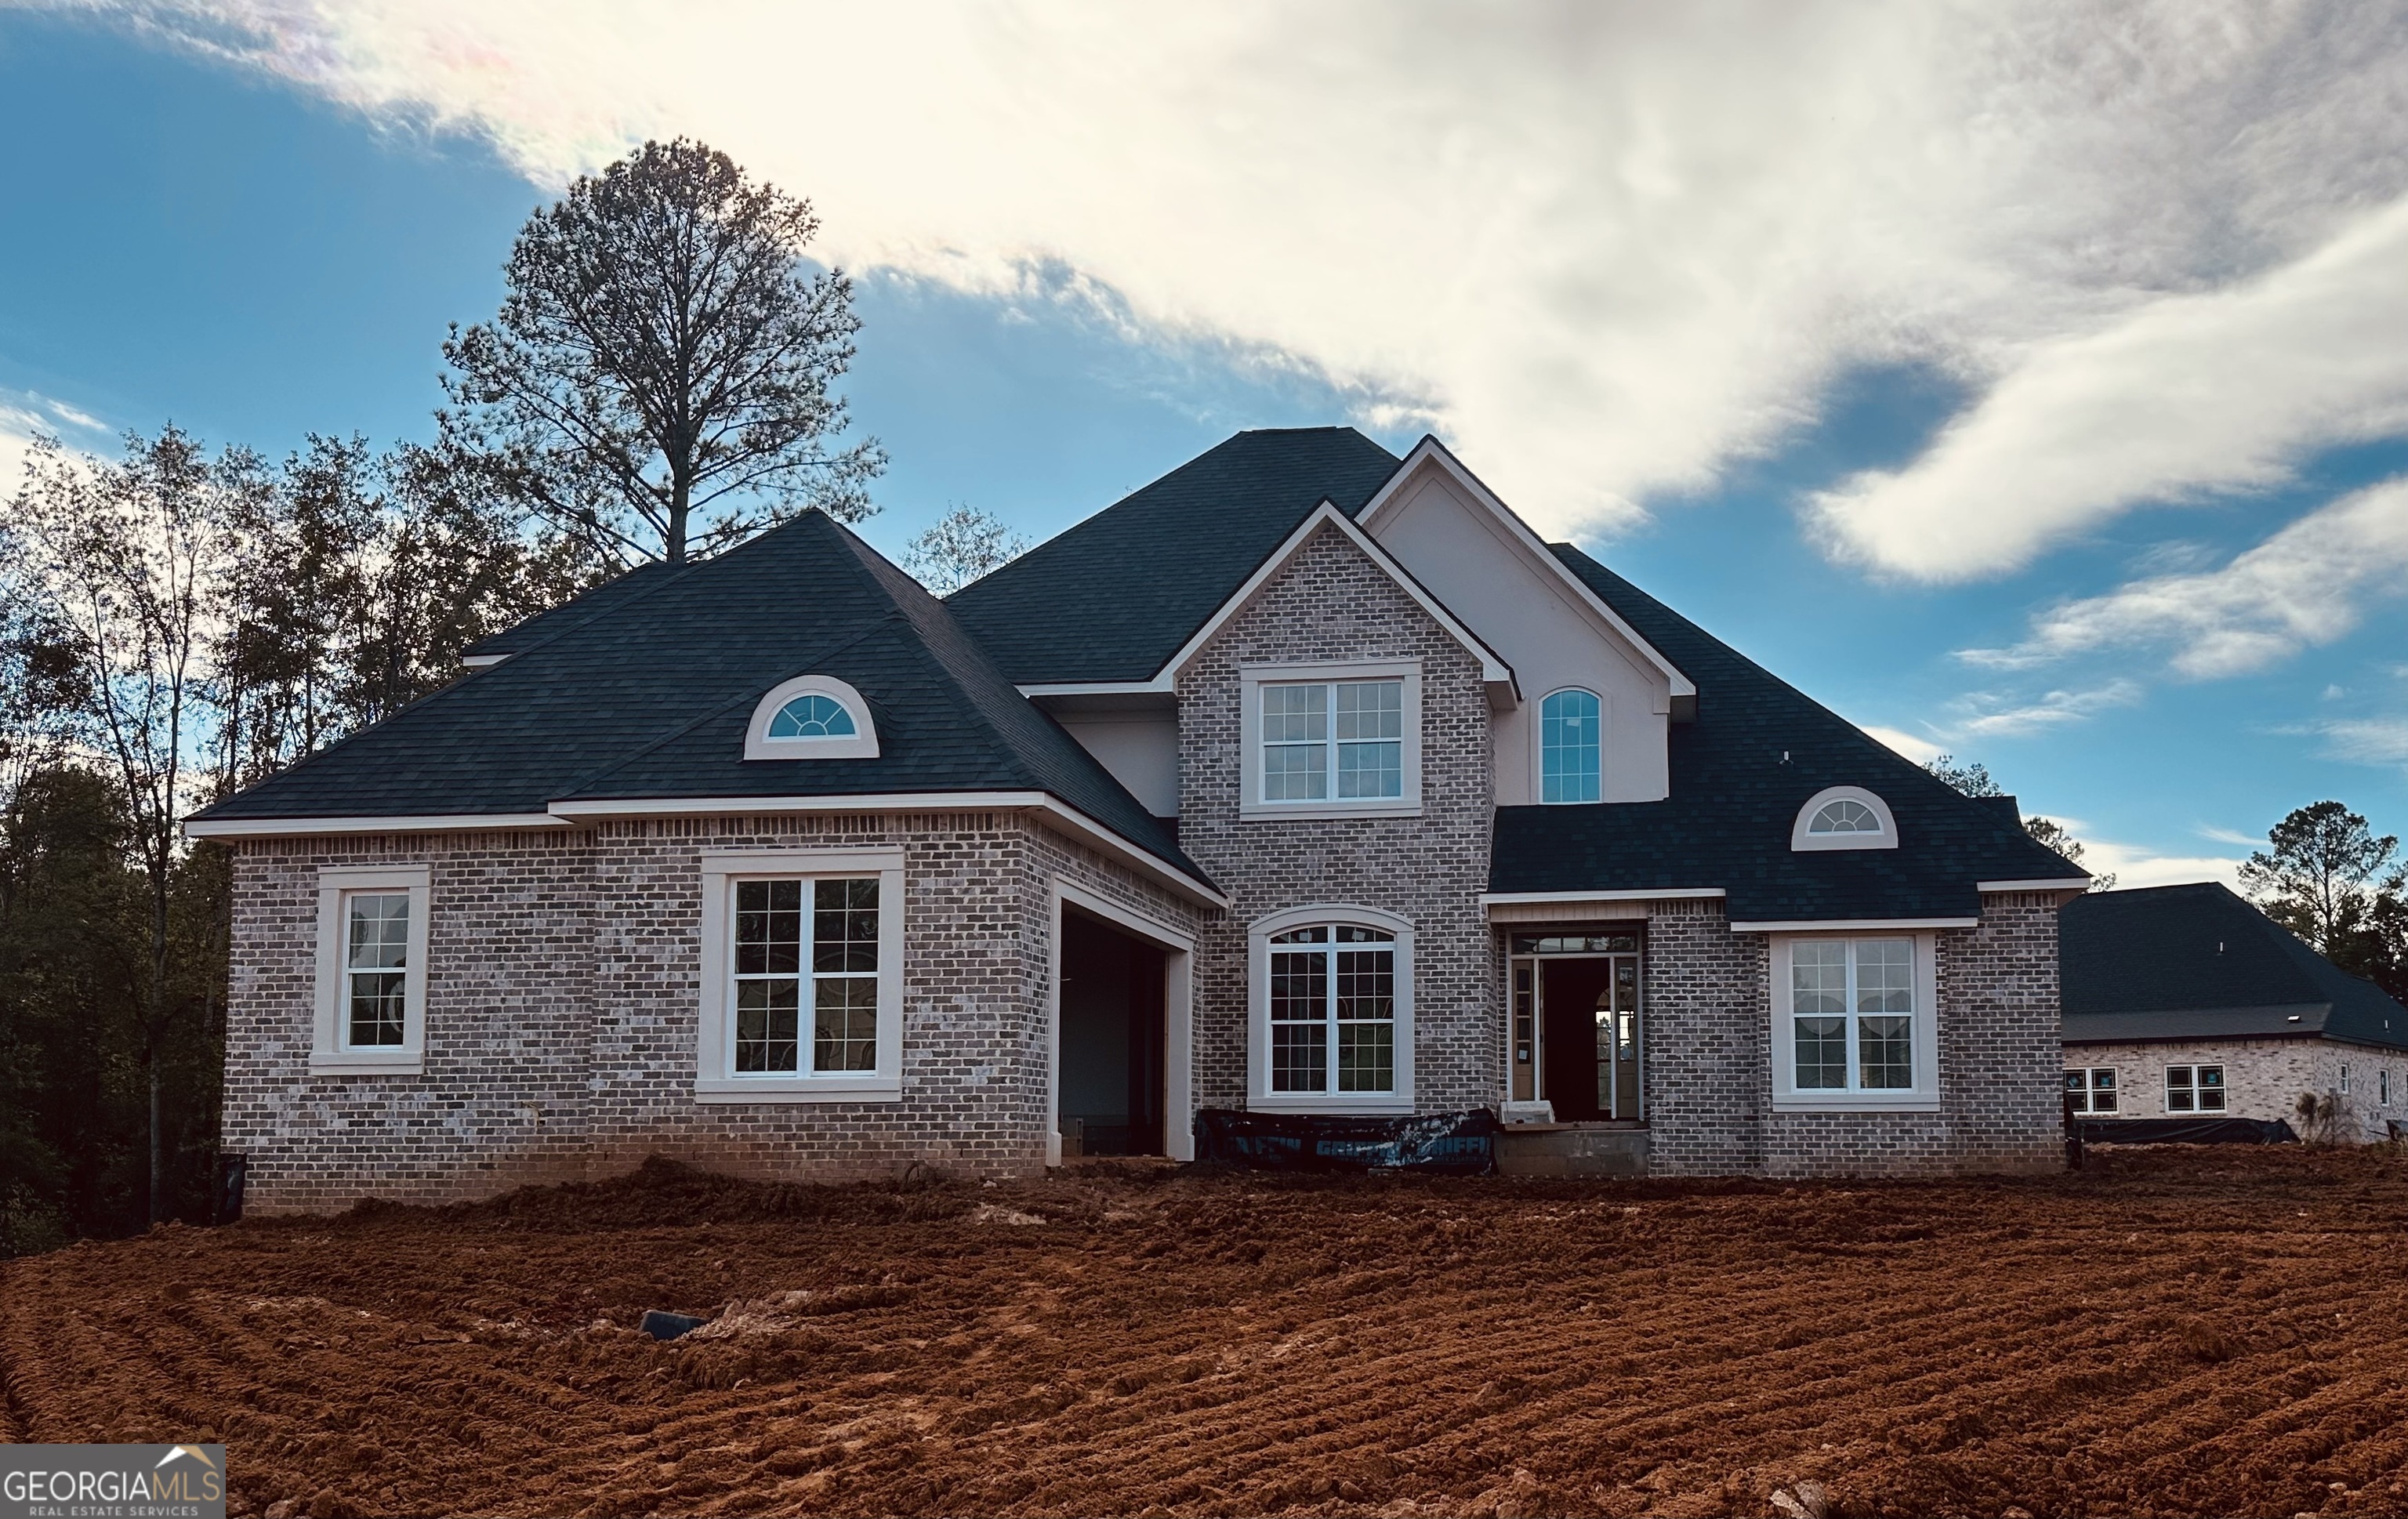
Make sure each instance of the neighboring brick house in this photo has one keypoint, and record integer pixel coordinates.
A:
(1306, 780)
(2187, 1002)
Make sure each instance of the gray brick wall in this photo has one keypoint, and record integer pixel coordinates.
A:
(1710, 1057)
(562, 1000)
(1331, 604)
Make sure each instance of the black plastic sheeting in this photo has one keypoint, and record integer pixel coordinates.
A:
(1457, 1144)
(2184, 1131)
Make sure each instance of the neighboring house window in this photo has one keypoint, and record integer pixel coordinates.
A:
(1570, 747)
(802, 977)
(2382, 1080)
(1329, 741)
(1854, 1025)
(1843, 817)
(810, 717)
(2092, 1089)
(2194, 1089)
(1333, 999)
(372, 936)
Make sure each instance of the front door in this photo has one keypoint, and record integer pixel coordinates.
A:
(1589, 1036)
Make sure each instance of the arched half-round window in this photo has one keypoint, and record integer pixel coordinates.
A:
(810, 717)
(1570, 746)
(1844, 817)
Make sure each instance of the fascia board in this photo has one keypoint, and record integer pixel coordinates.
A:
(1493, 668)
(1069, 819)
(1852, 925)
(285, 827)
(2067, 884)
(1532, 545)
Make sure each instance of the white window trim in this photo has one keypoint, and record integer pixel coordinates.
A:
(1801, 839)
(1259, 1096)
(1925, 1096)
(862, 743)
(715, 1079)
(1253, 678)
(329, 1054)
(1539, 746)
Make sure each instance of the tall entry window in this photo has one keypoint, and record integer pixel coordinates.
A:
(1334, 1010)
(1570, 747)
(1332, 1013)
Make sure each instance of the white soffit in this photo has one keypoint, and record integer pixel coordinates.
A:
(1430, 451)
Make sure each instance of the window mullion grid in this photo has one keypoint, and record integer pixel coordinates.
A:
(1330, 791)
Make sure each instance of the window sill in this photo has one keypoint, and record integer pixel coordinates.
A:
(1858, 1102)
(1384, 1104)
(352, 1063)
(1269, 812)
(799, 1089)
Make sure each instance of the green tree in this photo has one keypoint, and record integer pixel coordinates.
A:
(2321, 873)
(1973, 779)
(126, 556)
(660, 378)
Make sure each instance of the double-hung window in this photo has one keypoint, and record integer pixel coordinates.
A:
(1854, 1025)
(1333, 1027)
(802, 977)
(2194, 1089)
(1328, 740)
(2091, 1089)
(372, 937)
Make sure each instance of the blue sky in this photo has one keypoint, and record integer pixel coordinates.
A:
(2190, 599)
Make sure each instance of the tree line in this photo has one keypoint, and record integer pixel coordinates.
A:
(2326, 875)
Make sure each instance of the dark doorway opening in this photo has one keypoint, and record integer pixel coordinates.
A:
(1115, 1041)
(1591, 1042)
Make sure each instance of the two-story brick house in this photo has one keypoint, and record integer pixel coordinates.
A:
(1306, 780)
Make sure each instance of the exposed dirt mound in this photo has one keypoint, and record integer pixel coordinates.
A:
(2173, 1331)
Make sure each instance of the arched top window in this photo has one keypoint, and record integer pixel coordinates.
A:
(1570, 746)
(810, 717)
(1332, 1011)
(1843, 817)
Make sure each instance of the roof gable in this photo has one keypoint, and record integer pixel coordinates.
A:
(1513, 535)
(1117, 596)
(1758, 750)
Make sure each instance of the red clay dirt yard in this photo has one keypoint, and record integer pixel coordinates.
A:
(2167, 1332)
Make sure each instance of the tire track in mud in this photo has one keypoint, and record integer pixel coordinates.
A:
(2163, 1334)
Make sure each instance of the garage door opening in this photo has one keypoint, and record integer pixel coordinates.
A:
(1115, 1041)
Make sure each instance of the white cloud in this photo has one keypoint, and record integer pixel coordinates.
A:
(24, 413)
(2369, 741)
(2232, 836)
(1991, 716)
(1611, 249)
(2186, 394)
(2305, 586)
(1921, 750)
(2132, 866)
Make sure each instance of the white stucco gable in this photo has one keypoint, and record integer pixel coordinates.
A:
(1455, 537)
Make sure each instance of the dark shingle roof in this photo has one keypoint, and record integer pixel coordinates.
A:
(1114, 598)
(585, 608)
(1734, 799)
(651, 700)
(2197, 962)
